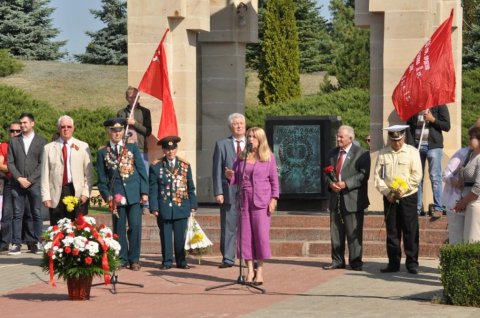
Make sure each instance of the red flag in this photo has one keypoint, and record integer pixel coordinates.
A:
(155, 83)
(430, 79)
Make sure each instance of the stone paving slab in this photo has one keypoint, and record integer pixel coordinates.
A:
(295, 287)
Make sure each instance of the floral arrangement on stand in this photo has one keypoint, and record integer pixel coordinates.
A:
(330, 172)
(196, 243)
(70, 202)
(80, 248)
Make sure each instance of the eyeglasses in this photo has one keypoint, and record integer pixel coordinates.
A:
(15, 130)
(66, 127)
(368, 139)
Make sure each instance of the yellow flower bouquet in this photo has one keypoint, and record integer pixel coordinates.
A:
(196, 242)
(70, 202)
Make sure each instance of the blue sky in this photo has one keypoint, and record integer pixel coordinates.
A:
(73, 19)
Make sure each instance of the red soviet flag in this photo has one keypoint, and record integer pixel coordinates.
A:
(430, 79)
(155, 83)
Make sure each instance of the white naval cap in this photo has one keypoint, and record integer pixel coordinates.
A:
(396, 132)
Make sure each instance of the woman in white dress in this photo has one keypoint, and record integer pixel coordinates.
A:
(470, 201)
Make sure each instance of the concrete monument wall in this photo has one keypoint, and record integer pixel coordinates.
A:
(398, 30)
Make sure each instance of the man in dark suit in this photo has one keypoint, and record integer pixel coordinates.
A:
(348, 185)
(224, 155)
(172, 200)
(24, 163)
(122, 182)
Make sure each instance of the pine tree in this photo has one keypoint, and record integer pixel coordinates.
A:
(280, 60)
(351, 47)
(471, 49)
(26, 30)
(109, 44)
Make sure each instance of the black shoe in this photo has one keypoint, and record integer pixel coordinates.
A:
(333, 266)
(184, 267)
(165, 266)
(412, 270)
(225, 265)
(389, 269)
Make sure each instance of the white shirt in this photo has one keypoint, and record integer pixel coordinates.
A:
(114, 145)
(27, 141)
(242, 143)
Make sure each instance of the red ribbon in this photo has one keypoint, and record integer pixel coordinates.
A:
(55, 241)
(106, 268)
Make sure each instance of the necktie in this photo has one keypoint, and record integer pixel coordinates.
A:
(65, 163)
(338, 168)
(239, 149)
(172, 166)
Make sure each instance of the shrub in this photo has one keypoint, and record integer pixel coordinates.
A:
(460, 274)
(351, 104)
(8, 64)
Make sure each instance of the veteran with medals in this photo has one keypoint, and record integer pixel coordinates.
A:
(172, 200)
(123, 183)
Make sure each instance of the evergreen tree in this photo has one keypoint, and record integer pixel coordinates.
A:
(313, 37)
(26, 30)
(108, 45)
(280, 61)
(351, 47)
(471, 36)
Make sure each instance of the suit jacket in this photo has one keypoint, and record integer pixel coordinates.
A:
(131, 187)
(172, 194)
(52, 170)
(265, 180)
(143, 124)
(26, 165)
(224, 155)
(355, 173)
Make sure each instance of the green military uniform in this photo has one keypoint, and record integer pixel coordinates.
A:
(172, 195)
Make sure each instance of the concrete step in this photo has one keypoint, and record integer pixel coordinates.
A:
(303, 235)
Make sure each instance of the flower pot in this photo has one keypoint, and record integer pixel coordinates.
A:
(79, 288)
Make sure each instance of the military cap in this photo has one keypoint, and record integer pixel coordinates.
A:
(396, 132)
(116, 124)
(169, 142)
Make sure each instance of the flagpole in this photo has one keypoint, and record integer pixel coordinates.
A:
(125, 136)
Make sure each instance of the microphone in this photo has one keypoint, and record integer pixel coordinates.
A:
(249, 147)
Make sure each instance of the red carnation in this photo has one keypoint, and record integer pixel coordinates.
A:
(328, 169)
(76, 251)
(115, 236)
(88, 260)
(67, 249)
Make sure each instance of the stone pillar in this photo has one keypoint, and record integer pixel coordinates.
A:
(399, 29)
(147, 21)
(222, 81)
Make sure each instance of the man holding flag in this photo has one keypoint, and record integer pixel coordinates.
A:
(420, 97)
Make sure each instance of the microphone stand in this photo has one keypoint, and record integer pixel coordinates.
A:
(239, 197)
(114, 277)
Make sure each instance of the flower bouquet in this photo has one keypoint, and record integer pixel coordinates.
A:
(330, 172)
(196, 242)
(398, 185)
(79, 249)
(70, 202)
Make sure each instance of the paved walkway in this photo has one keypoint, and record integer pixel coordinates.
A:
(295, 287)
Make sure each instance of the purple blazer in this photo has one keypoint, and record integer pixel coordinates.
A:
(265, 180)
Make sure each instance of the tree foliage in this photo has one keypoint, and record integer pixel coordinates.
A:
(280, 61)
(471, 35)
(8, 64)
(350, 47)
(26, 30)
(313, 37)
(109, 44)
(470, 98)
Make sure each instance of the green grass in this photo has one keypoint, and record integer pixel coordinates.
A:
(68, 86)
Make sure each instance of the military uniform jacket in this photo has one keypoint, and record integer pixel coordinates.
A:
(129, 174)
(172, 194)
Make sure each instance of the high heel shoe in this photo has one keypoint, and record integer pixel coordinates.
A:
(257, 283)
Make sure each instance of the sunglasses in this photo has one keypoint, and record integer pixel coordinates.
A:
(15, 130)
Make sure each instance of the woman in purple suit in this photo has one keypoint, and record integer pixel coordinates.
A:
(255, 171)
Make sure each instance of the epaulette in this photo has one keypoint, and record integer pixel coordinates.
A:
(183, 160)
(101, 147)
(154, 162)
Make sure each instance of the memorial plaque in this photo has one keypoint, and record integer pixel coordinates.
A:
(300, 145)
